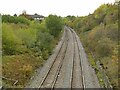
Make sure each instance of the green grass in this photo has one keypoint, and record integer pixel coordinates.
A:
(91, 60)
(93, 64)
(101, 82)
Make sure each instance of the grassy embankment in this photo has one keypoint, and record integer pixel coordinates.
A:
(99, 34)
(26, 45)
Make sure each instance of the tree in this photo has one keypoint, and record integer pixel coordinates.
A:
(15, 15)
(54, 24)
(14, 19)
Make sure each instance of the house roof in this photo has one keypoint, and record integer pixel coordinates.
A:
(36, 16)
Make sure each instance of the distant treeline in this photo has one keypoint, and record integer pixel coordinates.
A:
(15, 19)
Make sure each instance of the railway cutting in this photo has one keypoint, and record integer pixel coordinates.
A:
(67, 67)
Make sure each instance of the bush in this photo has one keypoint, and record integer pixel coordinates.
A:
(104, 47)
(16, 39)
(28, 36)
(10, 42)
(112, 31)
(26, 70)
(44, 42)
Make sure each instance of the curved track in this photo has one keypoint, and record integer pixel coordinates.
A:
(67, 67)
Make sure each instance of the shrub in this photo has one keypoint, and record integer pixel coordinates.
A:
(10, 42)
(26, 70)
(44, 41)
(104, 47)
(28, 36)
(112, 31)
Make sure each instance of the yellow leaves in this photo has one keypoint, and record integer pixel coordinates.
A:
(26, 70)
(19, 67)
(114, 59)
(96, 16)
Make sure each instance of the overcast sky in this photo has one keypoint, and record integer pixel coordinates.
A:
(46, 7)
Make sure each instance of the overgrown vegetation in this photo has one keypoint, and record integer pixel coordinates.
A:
(26, 45)
(53, 23)
(15, 19)
(99, 35)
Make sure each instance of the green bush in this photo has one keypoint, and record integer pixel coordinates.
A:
(28, 36)
(10, 42)
(16, 39)
(44, 41)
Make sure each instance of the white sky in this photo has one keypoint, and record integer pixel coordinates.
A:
(46, 7)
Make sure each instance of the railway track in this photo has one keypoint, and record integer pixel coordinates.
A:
(68, 66)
